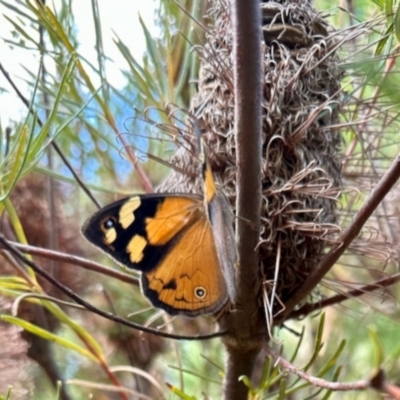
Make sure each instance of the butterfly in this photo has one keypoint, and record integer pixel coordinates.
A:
(183, 244)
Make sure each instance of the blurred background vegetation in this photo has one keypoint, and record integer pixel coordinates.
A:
(115, 140)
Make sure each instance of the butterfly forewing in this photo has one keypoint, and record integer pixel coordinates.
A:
(139, 231)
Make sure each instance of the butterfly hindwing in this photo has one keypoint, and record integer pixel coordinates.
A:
(188, 280)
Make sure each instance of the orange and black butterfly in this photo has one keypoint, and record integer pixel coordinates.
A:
(183, 244)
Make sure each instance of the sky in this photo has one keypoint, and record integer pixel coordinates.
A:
(120, 16)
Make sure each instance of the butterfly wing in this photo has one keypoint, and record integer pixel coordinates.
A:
(220, 217)
(224, 239)
(188, 280)
(169, 239)
(138, 231)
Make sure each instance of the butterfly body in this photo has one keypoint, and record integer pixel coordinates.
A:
(183, 244)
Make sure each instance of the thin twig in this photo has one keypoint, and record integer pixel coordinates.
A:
(82, 262)
(96, 310)
(362, 384)
(17, 302)
(378, 194)
(351, 294)
(377, 381)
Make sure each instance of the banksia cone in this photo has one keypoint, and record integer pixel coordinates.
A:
(301, 168)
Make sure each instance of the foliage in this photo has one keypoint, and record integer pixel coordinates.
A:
(115, 142)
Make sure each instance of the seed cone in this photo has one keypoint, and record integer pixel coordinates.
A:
(301, 168)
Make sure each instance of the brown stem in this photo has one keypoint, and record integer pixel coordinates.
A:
(238, 363)
(245, 323)
(379, 383)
